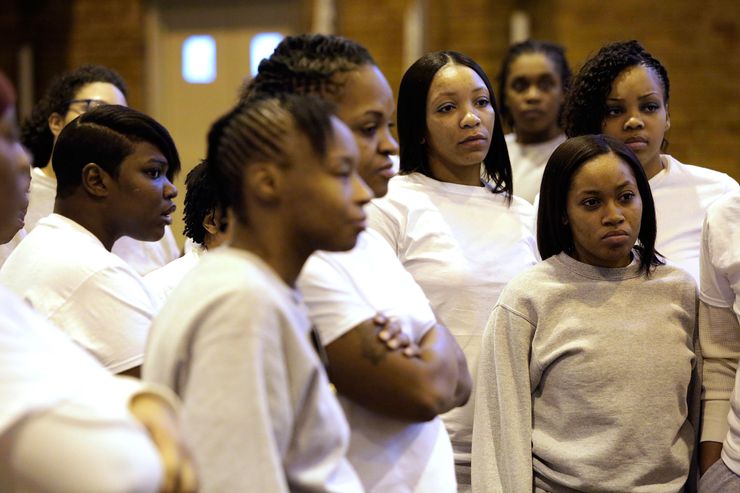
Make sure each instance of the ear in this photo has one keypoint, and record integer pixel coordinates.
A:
(56, 124)
(211, 223)
(263, 182)
(95, 180)
(564, 219)
(667, 119)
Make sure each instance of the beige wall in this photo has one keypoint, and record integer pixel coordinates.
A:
(699, 42)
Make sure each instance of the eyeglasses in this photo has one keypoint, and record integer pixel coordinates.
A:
(88, 104)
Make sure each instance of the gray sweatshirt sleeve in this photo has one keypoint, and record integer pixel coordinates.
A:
(502, 432)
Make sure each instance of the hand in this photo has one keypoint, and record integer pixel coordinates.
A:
(393, 337)
(160, 421)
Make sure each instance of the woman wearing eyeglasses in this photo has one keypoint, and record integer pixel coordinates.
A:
(68, 96)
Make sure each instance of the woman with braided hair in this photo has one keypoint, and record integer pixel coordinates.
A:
(623, 92)
(232, 340)
(392, 395)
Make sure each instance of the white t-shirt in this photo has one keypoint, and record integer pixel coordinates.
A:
(342, 290)
(46, 379)
(720, 287)
(143, 256)
(682, 195)
(462, 244)
(528, 164)
(69, 277)
(162, 281)
(233, 341)
(7, 248)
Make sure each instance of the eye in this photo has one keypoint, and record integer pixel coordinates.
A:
(519, 85)
(446, 108)
(546, 84)
(482, 102)
(369, 130)
(613, 110)
(651, 107)
(590, 203)
(627, 196)
(153, 173)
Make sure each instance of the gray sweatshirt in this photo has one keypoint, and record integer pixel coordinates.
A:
(588, 381)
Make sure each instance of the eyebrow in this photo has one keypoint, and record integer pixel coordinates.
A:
(598, 192)
(454, 93)
(651, 93)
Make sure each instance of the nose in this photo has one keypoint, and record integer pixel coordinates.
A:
(361, 193)
(170, 190)
(613, 214)
(634, 122)
(388, 144)
(532, 93)
(470, 119)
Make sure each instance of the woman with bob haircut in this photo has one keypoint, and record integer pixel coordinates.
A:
(623, 91)
(69, 95)
(588, 377)
(455, 178)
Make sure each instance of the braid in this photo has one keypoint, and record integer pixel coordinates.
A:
(585, 104)
(307, 64)
(259, 130)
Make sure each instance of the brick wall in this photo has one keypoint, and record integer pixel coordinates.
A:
(698, 42)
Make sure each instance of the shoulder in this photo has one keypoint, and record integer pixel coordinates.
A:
(698, 175)
(725, 210)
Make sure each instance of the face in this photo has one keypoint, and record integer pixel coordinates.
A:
(637, 115)
(327, 194)
(604, 212)
(366, 106)
(460, 121)
(15, 177)
(534, 93)
(141, 197)
(98, 92)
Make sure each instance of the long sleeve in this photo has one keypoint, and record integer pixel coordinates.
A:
(502, 430)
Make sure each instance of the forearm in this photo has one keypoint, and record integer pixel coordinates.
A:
(448, 368)
(389, 382)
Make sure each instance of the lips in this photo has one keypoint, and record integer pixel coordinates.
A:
(167, 214)
(615, 233)
(477, 138)
(637, 143)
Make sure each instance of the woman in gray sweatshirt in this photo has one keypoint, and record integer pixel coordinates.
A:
(588, 372)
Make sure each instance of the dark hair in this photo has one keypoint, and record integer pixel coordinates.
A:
(257, 130)
(7, 93)
(106, 135)
(553, 235)
(412, 120)
(585, 103)
(35, 132)
(307, 64)
(554, 52)
(201, 199)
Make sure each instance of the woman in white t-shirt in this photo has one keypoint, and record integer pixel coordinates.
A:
(623, 92)
(533, 80)
(462, 237)
(68, 96)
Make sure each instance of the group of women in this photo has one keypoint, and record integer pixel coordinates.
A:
(558, 345)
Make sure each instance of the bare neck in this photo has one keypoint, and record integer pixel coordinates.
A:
(275, 248)
(90, 216)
